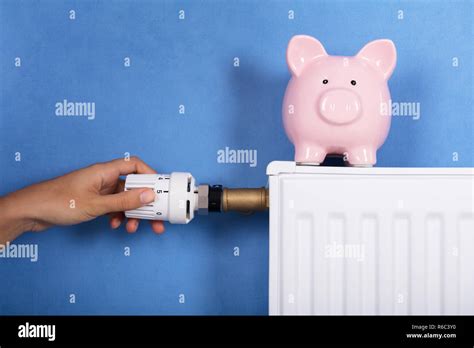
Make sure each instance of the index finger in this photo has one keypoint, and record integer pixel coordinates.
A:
(132, 165)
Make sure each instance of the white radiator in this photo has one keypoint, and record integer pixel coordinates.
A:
(371, 240)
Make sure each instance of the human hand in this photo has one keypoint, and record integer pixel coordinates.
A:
(77, 197)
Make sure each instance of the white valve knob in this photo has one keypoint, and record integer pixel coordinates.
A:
(176, 197)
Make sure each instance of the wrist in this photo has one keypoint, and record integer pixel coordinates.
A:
(15, 217)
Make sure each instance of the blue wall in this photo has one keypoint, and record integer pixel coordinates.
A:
(190, 62)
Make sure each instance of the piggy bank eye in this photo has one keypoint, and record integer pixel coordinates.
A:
(325, 81)
(353, 82)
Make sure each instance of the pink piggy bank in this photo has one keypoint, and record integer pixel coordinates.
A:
(334, 104)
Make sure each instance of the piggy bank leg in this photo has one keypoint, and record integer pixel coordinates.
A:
(363, 156)
(309, 154)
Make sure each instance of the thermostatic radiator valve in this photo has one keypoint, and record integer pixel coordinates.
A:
(177, 197)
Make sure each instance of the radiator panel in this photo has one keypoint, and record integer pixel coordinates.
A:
(371, 240)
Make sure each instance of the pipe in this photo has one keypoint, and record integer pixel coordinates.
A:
(245, 200)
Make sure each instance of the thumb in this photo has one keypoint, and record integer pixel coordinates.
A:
(126, 200)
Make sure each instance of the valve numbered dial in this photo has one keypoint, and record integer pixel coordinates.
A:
(175, 197)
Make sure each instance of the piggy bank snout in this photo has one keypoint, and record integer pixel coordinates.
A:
(339, 106)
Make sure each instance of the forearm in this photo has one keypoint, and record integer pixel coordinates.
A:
(14, 218)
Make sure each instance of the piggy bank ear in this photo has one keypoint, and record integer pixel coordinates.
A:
(302, 49)
(382, 54)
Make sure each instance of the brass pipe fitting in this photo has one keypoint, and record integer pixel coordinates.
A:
(245, 200)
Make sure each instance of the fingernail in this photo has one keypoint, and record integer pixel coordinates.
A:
(115, 223)
(147, 196)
